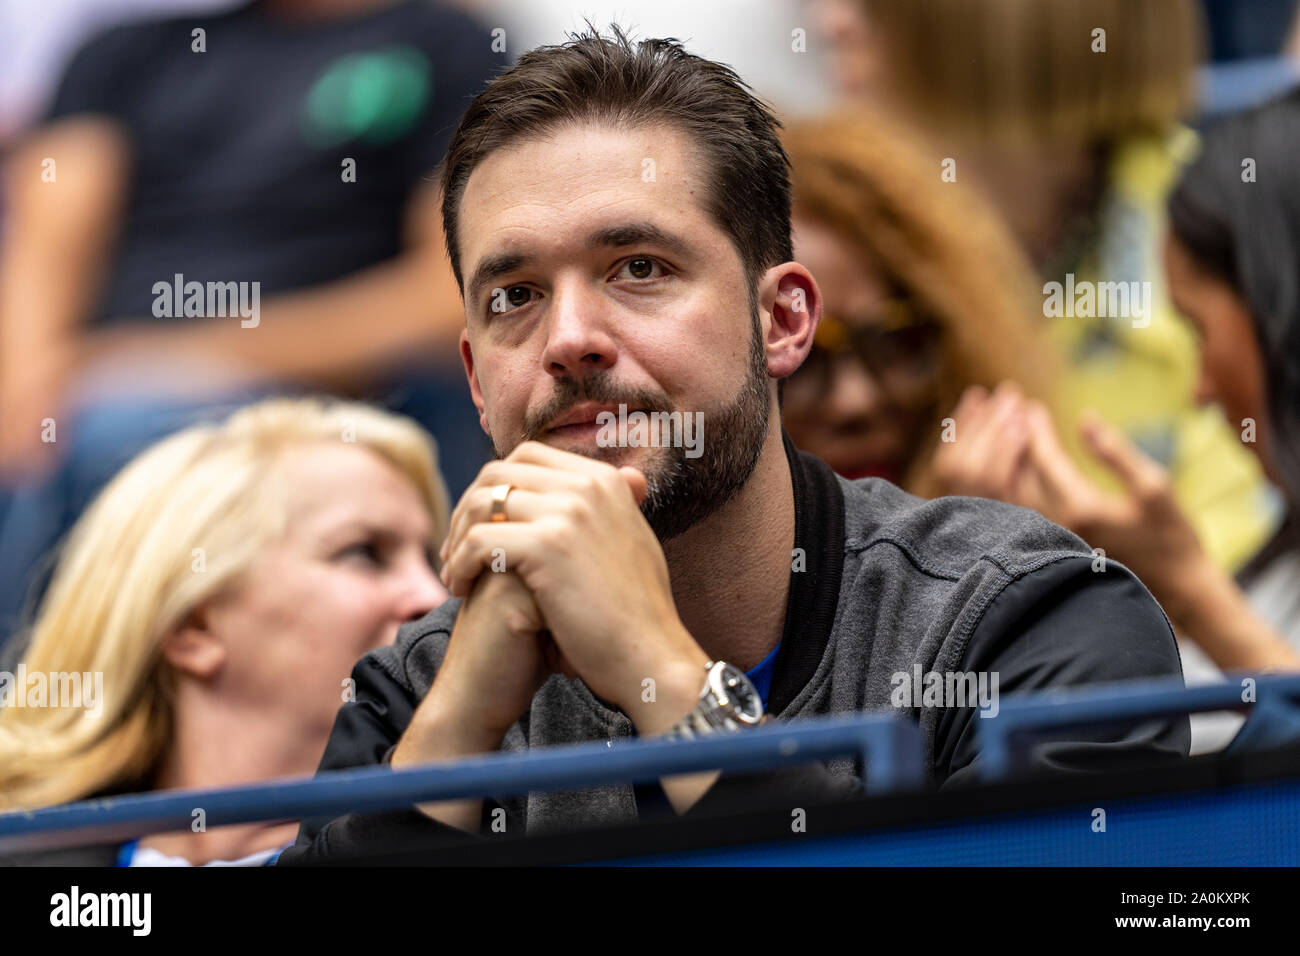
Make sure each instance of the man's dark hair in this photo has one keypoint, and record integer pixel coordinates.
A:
(592, 78)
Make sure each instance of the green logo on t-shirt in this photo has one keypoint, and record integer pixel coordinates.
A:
(374, 97)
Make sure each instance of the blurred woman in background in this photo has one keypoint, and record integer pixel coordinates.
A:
(1231, 255)
(224, 584)
(1066, 113)
(926, 295)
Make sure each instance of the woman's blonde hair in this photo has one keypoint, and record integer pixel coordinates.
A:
(176, 527)
(874, 185)
(1090, 71)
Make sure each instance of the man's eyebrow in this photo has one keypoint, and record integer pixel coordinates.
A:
(492, 268)
(619, 236)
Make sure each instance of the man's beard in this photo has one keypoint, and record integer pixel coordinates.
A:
(680, 491)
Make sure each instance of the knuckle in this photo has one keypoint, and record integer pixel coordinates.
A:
(557, 528)
(472, 540)
(574, 510)
(523, 449)
(611, 482)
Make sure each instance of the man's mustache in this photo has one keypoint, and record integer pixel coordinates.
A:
(570, 393)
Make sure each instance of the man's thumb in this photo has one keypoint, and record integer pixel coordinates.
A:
(636, 481)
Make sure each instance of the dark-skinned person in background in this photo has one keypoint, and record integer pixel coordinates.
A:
(926, 295)
(1230, 259)
(1068, 116)
(745, 582)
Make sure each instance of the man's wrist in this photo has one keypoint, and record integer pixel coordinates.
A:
(676, 688)
(437, 732)
(442, 729)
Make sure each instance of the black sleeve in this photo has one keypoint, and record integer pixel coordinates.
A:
(779, 789)
(459, 48)
(1063, 626)
(100, 75)
(365, 733)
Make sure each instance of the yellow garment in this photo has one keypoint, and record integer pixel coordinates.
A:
(1139, 372)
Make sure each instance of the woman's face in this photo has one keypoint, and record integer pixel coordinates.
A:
(352, 567)
(846, 37)
(834, 407)
(1232, 368)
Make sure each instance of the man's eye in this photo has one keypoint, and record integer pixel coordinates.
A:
(642, 267)
(509, 298)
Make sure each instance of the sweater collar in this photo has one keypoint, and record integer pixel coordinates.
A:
(814, 589)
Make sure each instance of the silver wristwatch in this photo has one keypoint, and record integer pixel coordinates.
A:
(729, 701)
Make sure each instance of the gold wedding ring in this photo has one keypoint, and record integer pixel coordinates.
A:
(499, 495)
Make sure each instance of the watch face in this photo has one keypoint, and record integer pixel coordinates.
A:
(734, 690)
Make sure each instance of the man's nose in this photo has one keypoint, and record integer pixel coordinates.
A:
(578, 339)
(418, 591)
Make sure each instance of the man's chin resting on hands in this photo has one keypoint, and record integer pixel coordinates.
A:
(649, 554)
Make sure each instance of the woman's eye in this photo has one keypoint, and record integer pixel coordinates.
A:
(642, 267)
(364, 551)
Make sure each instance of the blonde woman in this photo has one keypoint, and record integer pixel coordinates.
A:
(224, 584)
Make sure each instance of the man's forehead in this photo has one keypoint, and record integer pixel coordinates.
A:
(558, 187)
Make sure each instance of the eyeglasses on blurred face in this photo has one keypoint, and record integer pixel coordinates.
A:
(899, 348)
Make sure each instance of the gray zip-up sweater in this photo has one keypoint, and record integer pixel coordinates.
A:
(891, 582)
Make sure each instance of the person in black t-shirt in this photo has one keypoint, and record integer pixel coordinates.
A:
(277, 159)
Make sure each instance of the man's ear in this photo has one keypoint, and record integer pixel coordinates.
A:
(475, 391)
(789, 295)
(193, 649)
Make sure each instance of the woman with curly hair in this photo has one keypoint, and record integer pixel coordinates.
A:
(926, 295)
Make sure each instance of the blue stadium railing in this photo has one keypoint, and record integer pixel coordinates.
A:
(1271, 703)
(889, 744)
